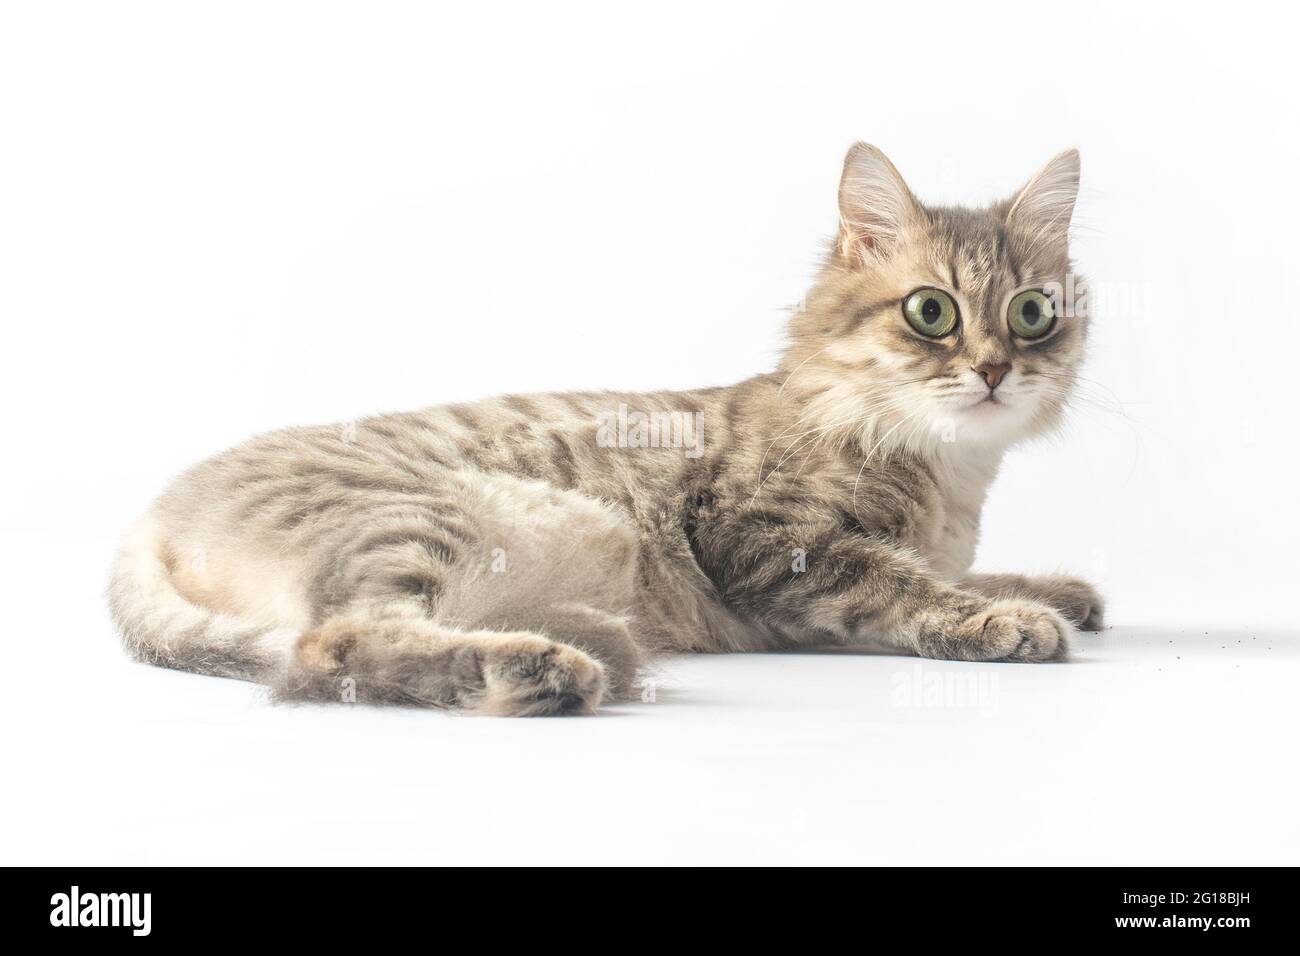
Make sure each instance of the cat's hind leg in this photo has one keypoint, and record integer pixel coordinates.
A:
(551, 561)
(412, 660)
(512, 597)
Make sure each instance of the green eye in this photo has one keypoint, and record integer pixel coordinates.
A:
(1031, 314)
(930, 312)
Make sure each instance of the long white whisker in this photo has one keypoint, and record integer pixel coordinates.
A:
(867, 459)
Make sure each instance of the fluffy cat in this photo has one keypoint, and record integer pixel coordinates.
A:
(526, 554)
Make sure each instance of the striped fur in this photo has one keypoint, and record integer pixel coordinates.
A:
(505, 557)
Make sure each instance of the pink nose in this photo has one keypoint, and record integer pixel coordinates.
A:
(993, 372)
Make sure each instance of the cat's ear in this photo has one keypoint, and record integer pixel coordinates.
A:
(875, 204)
(1042, 209)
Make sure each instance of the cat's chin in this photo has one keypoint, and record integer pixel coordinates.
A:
(994, 421)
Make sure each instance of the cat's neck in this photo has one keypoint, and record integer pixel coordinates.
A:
(778, 405)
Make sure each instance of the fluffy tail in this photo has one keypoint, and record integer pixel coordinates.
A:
(159, 626)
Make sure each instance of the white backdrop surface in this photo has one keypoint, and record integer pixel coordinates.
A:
(220, 219)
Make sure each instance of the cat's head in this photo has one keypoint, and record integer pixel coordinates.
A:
(931, 324)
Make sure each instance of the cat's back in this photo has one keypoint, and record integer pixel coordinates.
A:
(602, 443)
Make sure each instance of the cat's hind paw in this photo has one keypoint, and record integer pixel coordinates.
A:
(536, 677)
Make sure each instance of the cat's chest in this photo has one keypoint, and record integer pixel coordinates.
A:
(947, 533)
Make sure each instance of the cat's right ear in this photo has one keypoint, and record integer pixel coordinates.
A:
(875, 205)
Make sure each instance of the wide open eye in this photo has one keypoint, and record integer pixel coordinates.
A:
(1030, 314)
(930, 312)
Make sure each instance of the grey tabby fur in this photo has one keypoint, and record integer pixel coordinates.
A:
(500, 557)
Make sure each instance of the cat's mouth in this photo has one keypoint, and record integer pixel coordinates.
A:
(990, 405)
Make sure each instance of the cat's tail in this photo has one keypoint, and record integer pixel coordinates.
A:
(160, 626)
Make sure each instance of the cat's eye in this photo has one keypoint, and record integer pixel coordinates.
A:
(930, 312)
(1031, 314)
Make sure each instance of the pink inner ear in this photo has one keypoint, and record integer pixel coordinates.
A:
(865, 229)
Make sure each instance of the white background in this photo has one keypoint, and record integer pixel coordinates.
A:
(217, 219)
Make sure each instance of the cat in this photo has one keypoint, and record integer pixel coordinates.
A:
(529, 555)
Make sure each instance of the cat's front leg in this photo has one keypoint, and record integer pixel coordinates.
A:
(1077, 600)
(852, 587)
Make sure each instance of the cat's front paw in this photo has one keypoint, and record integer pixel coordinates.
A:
(1009, 629)
(1012, 630)
(1078, 601)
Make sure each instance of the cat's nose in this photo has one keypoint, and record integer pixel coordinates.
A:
(993, 372)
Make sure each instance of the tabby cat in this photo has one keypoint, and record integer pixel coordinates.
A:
(527, 555)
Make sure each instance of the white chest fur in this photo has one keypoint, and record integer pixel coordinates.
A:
(950, 537)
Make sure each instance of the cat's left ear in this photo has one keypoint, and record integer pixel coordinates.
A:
(1042, 209)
